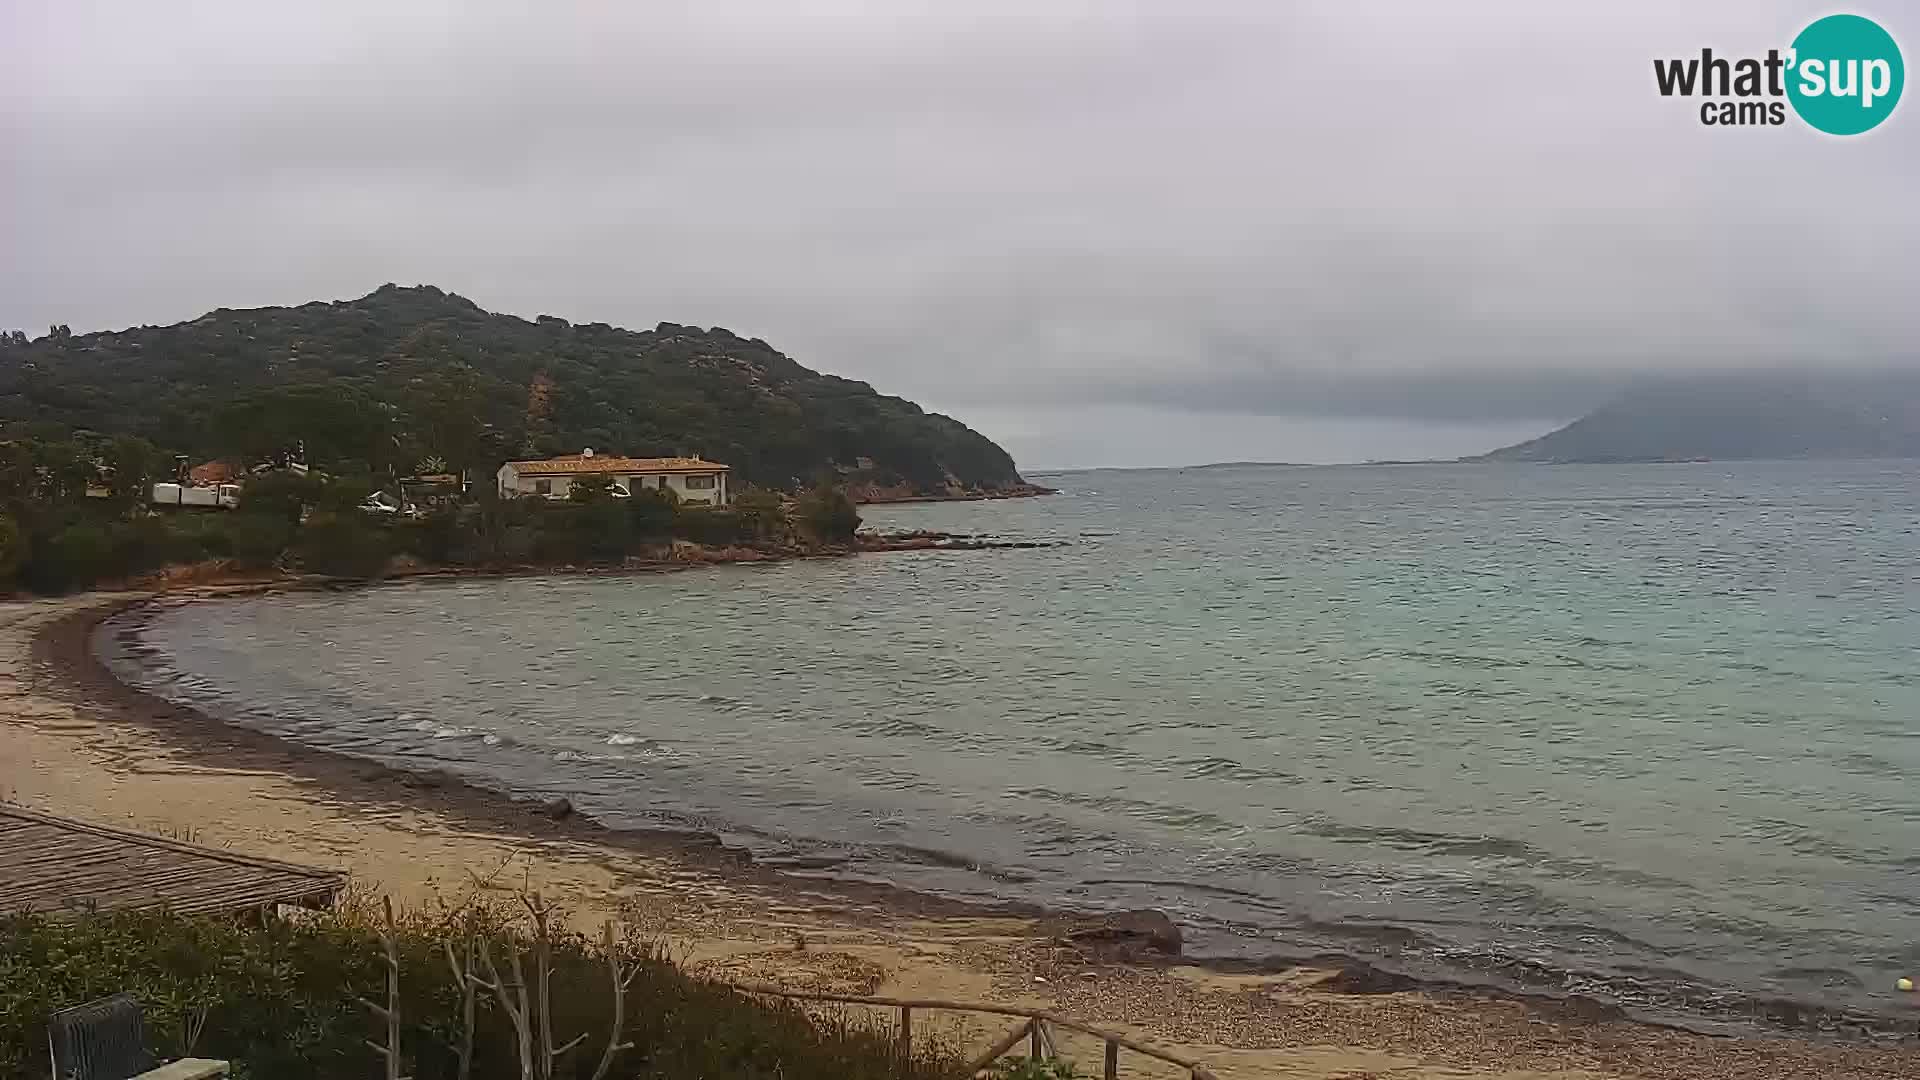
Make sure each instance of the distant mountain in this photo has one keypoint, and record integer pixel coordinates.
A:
(1742, 415)
(406, 374)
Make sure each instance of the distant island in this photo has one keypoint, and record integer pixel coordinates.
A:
(1249, 465)
(1741, 415)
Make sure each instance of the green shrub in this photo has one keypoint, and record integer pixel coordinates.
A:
(344, 545)
(255, 541)
(652, 513)
(72, 558)
(433, 538)
(764, 512)
(283, 494)
(716, 525)
(277, 998)
(827, 515)
(147, 543)
(491, 532)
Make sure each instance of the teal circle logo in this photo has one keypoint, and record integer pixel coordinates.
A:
(1845, 75)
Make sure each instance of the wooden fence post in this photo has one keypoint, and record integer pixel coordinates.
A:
(906, 1033)
(1033, 1031)
(1113, 1060)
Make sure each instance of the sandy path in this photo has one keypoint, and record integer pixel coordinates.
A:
(66, 753)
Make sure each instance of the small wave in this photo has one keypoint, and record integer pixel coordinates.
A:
(1833, 977)
(436, 730)
(1160, 813)
(1392, 935)
(1429, 842)
(1227, 768)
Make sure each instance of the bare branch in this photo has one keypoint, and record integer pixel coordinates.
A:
(614, 1045)
(391, 1014)
(523, 1038)
(463, 978)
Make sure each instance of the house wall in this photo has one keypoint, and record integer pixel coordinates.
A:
(513, 484)
(716, 495)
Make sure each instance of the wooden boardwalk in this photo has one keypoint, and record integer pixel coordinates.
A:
(53, 864)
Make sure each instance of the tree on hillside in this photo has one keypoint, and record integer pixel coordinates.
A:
(404, 374)
(131, 466)
(446, 415)
(340, 427)
(47, 471)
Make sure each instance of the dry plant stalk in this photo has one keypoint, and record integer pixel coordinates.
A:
(390, 1012)
(528, 1006)
(513, 999)
(620, 981)
(469, 993)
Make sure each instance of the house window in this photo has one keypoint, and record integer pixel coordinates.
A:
(543, 487)
(699, 482)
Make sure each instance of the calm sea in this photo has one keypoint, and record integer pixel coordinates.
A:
(1647, 732)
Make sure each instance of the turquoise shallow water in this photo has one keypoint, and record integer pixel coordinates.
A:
(1650, 732)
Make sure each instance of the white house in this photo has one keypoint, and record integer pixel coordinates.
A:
(696, 482)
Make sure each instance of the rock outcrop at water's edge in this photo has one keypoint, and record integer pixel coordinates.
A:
(874, 493)
(1125, 935)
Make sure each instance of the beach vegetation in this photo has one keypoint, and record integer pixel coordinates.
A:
(481, 992)
(69, 532)
(828, 515)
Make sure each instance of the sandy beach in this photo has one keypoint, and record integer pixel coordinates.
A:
(74, 742)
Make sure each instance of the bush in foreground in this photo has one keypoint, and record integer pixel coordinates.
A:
(280, 999)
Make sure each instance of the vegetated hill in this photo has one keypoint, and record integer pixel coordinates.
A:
(1729, 416)
(409, 373)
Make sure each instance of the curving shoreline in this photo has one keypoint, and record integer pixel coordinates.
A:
(429, 825)
(66, 645)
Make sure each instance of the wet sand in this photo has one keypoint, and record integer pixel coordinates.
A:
(75, 741)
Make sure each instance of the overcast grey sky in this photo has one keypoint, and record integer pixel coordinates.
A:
(1100, 232)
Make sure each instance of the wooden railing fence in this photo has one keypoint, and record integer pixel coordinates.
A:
(1035, 1028)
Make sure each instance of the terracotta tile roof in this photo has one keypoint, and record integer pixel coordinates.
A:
(213, 472)
(572, 464)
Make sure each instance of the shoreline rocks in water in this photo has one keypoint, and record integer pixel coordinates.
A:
(876, 494)
(1125, 935)
(932, 540)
